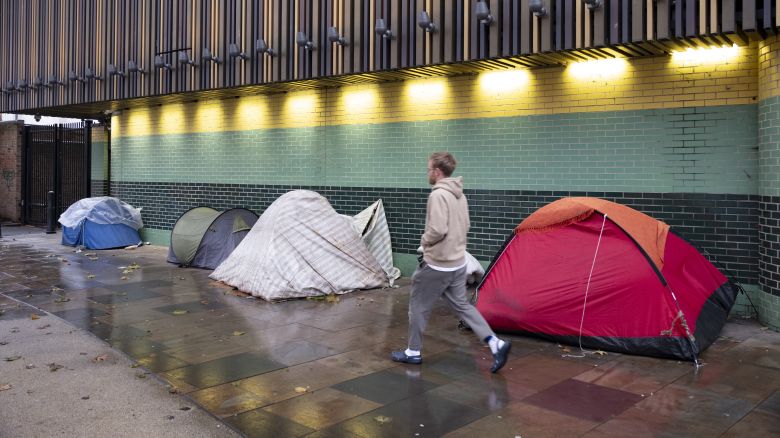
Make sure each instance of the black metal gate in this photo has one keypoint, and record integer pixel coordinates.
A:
(56, 158)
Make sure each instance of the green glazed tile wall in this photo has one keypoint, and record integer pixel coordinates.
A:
(699, 150)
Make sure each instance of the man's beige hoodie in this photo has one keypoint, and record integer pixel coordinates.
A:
(446, 224)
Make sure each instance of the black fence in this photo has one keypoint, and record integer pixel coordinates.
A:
(56, 158)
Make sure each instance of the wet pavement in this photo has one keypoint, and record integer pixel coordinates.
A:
(321, 368)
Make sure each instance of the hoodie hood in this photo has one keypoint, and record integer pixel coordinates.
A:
(452, 185)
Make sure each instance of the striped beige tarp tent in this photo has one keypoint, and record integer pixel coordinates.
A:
(371, 223)
(301, 247)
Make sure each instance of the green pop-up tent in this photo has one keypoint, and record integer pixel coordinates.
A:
(203, 237)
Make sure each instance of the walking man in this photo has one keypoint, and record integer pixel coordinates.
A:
(443, 269)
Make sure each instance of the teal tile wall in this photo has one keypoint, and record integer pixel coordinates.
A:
(99, 161)
(769, 145)
(694, 150)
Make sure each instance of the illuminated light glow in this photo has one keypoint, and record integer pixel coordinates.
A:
(359, 101)
(598, 69)
(426, 91)
(249, 112)
(136, 122)
(300, 104)
(702, 55)
(171, 120)
(503, 81)
(209, 117)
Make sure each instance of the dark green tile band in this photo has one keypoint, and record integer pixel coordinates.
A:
(725, 226)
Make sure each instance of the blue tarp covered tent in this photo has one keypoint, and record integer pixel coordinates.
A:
(101, 223)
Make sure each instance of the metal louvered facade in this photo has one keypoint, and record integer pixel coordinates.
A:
(46, 46)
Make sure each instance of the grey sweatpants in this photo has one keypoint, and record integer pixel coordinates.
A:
(427, 286)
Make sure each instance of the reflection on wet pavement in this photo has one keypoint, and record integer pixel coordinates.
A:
(318, 368)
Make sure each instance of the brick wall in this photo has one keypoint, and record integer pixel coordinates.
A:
(722, 226)
(11, 171)
(675, 138)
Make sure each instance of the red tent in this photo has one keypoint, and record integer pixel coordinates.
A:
(590, 272)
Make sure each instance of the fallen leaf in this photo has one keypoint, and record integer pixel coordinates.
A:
(301, 389)
(332, 298)
(173, 390)
(86, 397)
(54, 366)
(44, 327)
(34, 317)
(382, 419)
(62, 300)
(55, 289)
(100, 358)
(141, 375)
(5, 387)
(90, 276)
(237, 333)
(600, 353)
(127, 271)
(764, 328)
(123, 278)
(170, 417)
(180, 312)
(30, 366)
(92, 258)
(204, 302)
(135, 365)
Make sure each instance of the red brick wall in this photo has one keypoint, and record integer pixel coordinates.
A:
(11, 171)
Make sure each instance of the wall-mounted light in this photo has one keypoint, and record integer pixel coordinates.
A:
(132, 67)
(38, 82)
(89, 74)
(234, 52)
(112, 70)
(335, 37)
(537, 8)
(54, 81)
(425, 23)
(206, 56)
(21, 85)
(73, 77)
(381, 29)
(184, 58)
(303, 41)
(262, 47)
(592, 4)
(9, 87)
(482, 12)
(159, 63)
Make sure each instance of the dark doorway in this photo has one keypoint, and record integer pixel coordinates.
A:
(56, 158)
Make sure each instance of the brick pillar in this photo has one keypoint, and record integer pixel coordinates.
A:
(11, 171)
(769, 179)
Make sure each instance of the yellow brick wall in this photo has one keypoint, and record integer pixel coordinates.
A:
(769, 68)
(644, 83)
